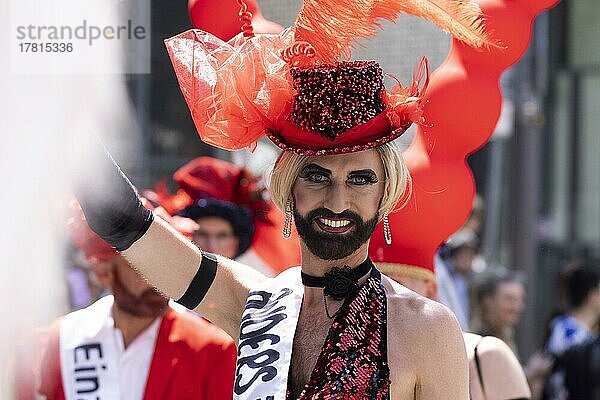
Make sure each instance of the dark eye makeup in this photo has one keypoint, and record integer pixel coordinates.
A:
(363, 177)
(317, 174)
(314, 173)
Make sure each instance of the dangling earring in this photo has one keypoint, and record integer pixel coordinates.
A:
(387, 233)
(287, 224)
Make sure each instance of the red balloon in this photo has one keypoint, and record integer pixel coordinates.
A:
(221, 18)
(510, 26)
(463, 107)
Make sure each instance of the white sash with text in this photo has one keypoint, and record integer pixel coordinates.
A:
(266, 337)
(89, 353)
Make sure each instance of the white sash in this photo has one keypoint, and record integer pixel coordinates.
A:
(266, 337)
(89, 353)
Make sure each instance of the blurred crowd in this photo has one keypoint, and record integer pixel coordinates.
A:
(490, 301)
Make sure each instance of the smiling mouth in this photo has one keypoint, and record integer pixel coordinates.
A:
(338, 226)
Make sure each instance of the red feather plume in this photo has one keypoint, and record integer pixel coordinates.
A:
(332, 27)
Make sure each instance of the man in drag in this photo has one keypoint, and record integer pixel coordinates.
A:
(334, 327)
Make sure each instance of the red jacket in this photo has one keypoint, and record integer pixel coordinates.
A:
(193, 359)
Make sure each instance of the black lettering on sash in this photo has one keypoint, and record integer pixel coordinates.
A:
(85, 369)
(269, 372)
(265, 303)
(87, 358)
(90, 389)
(86, 350)
(254, 330)
(251, 361)
(250, 323)
(254, 341)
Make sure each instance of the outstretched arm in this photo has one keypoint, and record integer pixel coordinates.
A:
(171, 262)
(167, 259)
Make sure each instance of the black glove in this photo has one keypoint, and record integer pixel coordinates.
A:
(110, 202)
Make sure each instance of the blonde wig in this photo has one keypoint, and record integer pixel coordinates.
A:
(397, 178)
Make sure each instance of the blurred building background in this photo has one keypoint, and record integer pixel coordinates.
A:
(539, 176)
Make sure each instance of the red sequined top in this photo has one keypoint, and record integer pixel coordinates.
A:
(353, 363)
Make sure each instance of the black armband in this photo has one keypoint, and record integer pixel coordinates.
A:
(110, 203)
(201, 282)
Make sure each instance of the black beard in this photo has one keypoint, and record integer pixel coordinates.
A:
(330, 246)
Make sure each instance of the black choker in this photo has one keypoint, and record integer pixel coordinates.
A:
(339, 283)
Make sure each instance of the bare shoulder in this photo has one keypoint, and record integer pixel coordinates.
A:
(494, 351)
(421, 314)
(494, 356)
(421, 327)
(426, 351)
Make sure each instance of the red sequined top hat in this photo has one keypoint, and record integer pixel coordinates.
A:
(292, 87)
(339, 108)
(397, 260)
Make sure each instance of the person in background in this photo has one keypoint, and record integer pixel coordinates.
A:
(451, 283)
(494, 371)
(580, 324)
(404, 345)
(234, 214)
(581, 366)
(456, 261)
(502, 301)
(134, 344)
(476, 219)
(446, 291)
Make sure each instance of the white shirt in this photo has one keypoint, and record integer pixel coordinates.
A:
(135, 360)
(94, 361)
